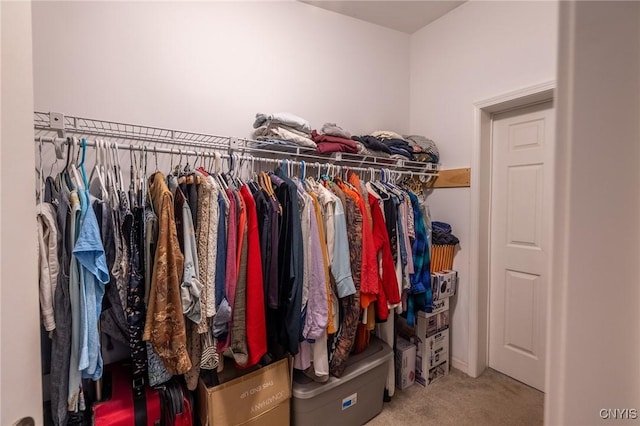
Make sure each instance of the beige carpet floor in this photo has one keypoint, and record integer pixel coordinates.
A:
(492, 399)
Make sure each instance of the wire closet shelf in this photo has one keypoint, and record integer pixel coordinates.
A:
(52, 127)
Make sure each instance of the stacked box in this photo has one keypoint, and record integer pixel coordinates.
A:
(405, 363)
(444, 284)
(432, 330)
(432, 343)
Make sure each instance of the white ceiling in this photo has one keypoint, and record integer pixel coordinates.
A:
(405, 16)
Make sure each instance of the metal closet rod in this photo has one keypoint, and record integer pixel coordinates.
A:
(180, 151)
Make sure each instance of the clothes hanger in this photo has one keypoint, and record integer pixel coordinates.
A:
(112, 173)
(97, 169)
(155, 156)
(53, 166)
(239, 180)
(202, 169)
(75, 176)
(187, 167)
(118, 167)
(215, 173)
(40, 187)
(65, 174)
(140, 171)
(176, 171)
(303, 170)
(132, 176)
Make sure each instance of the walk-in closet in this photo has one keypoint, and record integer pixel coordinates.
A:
(319, 213)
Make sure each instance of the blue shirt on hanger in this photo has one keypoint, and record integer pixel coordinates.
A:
(94, 275)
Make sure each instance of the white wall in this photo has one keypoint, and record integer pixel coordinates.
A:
(594, 345)
(20, 387)
(477, 51)
(211, 66)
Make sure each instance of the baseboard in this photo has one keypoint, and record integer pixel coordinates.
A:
(459, 364)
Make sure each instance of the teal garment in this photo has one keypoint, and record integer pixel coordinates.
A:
(420, 295)
(94, 275)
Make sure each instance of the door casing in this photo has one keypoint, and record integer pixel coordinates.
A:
(480, 215)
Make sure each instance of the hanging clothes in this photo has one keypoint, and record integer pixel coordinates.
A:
(164, 326)
(61, 336)
(290, 263)
(350, 304)
(210, 266)
(48, 266)
(255, 325)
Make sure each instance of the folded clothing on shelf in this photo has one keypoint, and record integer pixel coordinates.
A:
(441, 234)
(372, 143)
(327, 143)
(332, 129)
(283, 132)
(282, 118)
(428, 151)
(363, 150)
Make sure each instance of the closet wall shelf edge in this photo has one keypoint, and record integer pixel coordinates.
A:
(52, 127)
(452, 178)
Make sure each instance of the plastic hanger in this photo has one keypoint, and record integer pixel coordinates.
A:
(239, 179)
(75, 176)
(118, 168)
(40, 187)
(97, 169)
(218, 174)
(303, 170)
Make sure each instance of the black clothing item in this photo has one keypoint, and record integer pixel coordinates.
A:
(390, 214)
(290, 264)
(112, 319)
(372, 143)
(190, 192)
(136, 311)
(398, 143)
(399, 146)
(401, 151)
(443, 238)
(263, 211)
(61, 336)
(178, 200)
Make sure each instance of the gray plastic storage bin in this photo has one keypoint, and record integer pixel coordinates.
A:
(351, 400)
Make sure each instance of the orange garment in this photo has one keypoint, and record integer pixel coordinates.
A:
(331, 329)
(354, 180)
(369, 280)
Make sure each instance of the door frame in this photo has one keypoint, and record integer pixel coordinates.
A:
(480, 214)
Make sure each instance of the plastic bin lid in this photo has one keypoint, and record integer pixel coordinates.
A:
(377, 353)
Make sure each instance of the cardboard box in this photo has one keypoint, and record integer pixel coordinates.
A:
(433, 374)
(258, 398)
(405, 363)
(433, 352)
(436, 348)
(443, 284)
(437, 372)
(428, 324)
(455, 282)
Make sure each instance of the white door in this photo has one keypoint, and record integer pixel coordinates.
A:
(521, 220)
